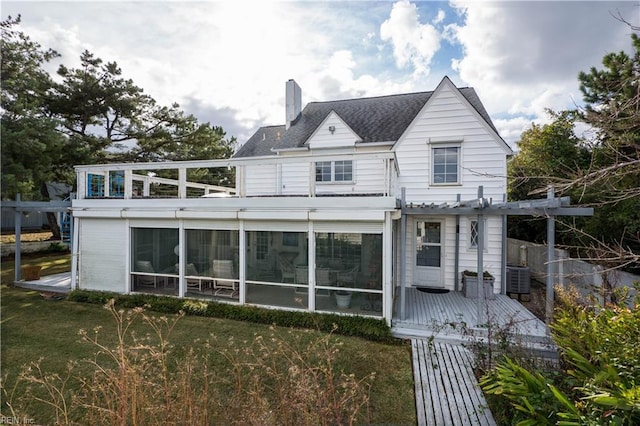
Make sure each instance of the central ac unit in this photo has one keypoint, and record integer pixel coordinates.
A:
(518, 279)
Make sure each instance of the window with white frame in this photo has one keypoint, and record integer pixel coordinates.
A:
(334, 171)
(474, 235)
(446, 165)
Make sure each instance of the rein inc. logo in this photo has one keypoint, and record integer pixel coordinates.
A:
(4, 420)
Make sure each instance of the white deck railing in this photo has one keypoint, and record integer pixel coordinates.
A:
(122, 182)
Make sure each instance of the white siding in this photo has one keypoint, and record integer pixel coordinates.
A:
(103, 251)
(468, 256)
(482, 158)
(295, 178)
(483, 162)
(342, 135)
(493, 248)
(368, 178)
(261, 179)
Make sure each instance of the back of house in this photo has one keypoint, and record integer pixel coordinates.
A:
(333, 211)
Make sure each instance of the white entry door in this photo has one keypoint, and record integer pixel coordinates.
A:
(428, 256)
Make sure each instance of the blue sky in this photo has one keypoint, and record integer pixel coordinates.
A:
(227, 62)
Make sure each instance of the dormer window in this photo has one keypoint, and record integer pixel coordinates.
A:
(334, 171)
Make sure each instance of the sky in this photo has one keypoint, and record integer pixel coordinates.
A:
(227, 62)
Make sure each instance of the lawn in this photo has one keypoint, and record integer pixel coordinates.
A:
(33, 327)
(51, 263)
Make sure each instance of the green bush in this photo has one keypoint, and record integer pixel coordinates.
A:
(369, 328)
(599, 378)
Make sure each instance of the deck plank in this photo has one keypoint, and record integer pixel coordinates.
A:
(445, 382)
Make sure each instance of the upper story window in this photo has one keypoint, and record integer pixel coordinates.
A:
(446, 165)
(334, 171)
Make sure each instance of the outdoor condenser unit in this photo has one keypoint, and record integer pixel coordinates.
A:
(518, 279)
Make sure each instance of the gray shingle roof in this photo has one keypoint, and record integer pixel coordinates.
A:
(377, 119)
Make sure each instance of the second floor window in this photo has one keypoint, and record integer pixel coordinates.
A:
(334, 171)
(446, 164)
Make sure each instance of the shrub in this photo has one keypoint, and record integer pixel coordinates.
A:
(600, 368)
(369, 328)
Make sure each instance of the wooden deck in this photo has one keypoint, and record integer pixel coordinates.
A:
(447, 392)
(451, 317)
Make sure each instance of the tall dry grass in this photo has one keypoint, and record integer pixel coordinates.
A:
(142, 379)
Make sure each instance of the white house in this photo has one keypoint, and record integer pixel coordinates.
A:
(357, 197)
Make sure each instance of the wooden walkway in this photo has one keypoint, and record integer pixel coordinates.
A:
(447, 392)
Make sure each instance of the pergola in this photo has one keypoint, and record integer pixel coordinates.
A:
(25, 207)
(550, 208)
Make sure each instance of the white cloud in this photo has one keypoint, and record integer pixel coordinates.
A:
(227, 62)
(439, 17)
(413, 43)
(524, 57)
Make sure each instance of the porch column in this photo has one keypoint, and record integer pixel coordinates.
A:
(387, 262)
(311, 294)
(182, 183)
(75, 247)
(128, 184)
(182, 258)
(107, 184)
(481, 294)
(403, 257)
(551, 241)
(242, 262)
(17, 224)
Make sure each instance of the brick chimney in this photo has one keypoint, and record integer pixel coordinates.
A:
(293, 100)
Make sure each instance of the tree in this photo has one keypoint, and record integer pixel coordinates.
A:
(109, 118)
(603, 172)
(548, 155)
(93, 115)
(31, 145)
(612, 97)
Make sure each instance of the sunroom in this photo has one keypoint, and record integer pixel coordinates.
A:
(273, 265)
(152, 228)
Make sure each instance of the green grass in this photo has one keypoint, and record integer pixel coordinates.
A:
(51, 263)
(33, 328)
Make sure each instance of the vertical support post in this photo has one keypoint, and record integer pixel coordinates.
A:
(240, 181)
(17, 228)
(128, 184)
(503, 263)
(182, 183)
(312, 179)
(387, 262)
(311, 281)
(481, 294)
(456, 265)
(81, 179)
(551, 241)
(182, 258)
(107, 184)
(403, 256)
(75, 247)
(146, 186)
(242, 262)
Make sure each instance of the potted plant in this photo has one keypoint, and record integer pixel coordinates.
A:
(343, 298)
(470, 284)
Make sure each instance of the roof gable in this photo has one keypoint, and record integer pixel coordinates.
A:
(333, 132)
(374, 119)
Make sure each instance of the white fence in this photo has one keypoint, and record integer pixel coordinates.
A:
(586, 277)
